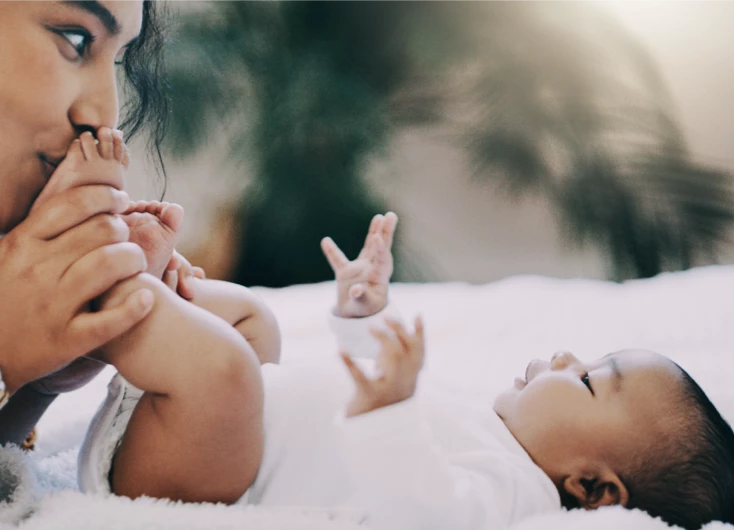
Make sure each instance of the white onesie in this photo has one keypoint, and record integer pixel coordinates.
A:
(435, 461)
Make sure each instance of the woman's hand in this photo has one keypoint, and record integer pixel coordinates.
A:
(64, 254)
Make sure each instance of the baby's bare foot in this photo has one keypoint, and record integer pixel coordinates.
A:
(156, 228)
(89, 161)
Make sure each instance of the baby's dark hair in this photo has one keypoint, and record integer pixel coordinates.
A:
(146, 102)
(688, 480)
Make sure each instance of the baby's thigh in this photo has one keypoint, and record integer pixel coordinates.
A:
(193, 449)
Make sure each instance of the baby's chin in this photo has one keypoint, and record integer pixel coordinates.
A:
(504, 401)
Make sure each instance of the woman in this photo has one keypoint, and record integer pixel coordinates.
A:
(59, 63)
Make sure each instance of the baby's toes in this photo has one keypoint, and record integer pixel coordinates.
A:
(105, 143)
(153, 208)
(89, 146)
(118, 146)
(172, 216)
(125, 159)
(74, 155)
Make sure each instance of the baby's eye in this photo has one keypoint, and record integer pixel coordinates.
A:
(79, 39)
(585, 380)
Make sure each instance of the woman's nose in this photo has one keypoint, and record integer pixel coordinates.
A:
(96, 105)
(563, 359)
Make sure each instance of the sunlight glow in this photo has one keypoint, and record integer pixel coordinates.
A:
(643, 12)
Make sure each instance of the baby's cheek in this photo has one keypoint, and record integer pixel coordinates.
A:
(504, 403)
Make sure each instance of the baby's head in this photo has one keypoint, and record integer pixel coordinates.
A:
(632, 428)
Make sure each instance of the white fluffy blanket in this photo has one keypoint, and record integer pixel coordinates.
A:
(479, 336)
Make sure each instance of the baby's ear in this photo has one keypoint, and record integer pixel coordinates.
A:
(593, 490)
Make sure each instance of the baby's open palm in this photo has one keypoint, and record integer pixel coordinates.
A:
(362, 284)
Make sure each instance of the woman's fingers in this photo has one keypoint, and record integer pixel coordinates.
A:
(100, 269)
(89, 331)
(95, 233)
(71, 208)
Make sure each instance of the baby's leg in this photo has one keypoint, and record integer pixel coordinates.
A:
(197, 433)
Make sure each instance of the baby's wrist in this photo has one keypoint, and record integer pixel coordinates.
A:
(358, 309)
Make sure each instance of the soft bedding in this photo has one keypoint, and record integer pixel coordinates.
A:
(479, 338)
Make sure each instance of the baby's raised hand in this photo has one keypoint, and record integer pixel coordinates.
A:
(362, 284)
(398, 364)
(156, 228)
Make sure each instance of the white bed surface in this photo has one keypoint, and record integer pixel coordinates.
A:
(479, 337)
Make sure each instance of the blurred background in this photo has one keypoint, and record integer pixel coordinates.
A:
(569, 139)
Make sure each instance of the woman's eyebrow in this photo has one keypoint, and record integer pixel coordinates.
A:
(107, 19)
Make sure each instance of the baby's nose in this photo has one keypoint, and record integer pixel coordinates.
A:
(562, 359)
(535, 367)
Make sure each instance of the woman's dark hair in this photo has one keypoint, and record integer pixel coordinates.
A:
(146, 102)
(688, 479)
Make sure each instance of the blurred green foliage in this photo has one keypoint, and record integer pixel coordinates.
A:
(546, 97)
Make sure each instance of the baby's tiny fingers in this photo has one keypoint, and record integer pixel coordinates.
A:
(199, 273)
(357, 291)
(419, 339)
(334, 255)
(419, 329)
(388, 228)
(357, 374)
(384, 337)
(400, 332)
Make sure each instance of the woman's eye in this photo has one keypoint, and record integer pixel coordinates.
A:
(585, 380)
(79, 40)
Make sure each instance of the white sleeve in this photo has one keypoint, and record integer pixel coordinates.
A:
(353, 336)
(405, 482)
(17, 485)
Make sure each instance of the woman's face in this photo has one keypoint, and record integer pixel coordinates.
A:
(57, 79)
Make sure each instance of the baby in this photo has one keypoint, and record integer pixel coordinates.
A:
(202, 420)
